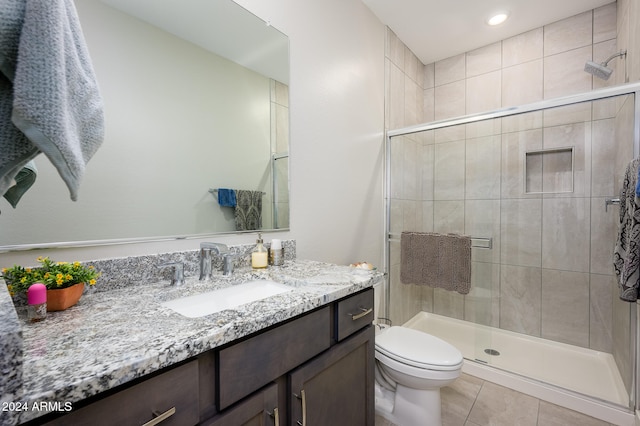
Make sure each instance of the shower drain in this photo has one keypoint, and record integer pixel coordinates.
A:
(491, 352)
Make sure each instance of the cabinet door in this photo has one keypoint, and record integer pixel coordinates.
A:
(260, 409)
(336, 387)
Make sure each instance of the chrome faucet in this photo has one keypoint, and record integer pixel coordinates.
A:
(205, 259)
(178, 272)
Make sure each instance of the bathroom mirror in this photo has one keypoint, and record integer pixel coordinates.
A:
(196, 99)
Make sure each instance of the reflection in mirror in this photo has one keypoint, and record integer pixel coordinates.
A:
(181, 122)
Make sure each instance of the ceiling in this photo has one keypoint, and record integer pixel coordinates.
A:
(439, 29)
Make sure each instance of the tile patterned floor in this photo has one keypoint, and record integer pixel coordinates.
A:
(474, 402)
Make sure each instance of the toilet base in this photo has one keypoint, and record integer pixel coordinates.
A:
(409, 407)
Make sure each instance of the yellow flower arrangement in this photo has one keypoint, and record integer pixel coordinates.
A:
(52, 274)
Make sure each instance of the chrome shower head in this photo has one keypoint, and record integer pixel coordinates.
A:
(601, 70)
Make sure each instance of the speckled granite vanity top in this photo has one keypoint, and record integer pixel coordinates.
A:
(112, 337)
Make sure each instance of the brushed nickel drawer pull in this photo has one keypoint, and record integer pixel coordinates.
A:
(302, 397)
(298, 422)
(362, 314)
(160, 418)
(304, 408)
(275, 416)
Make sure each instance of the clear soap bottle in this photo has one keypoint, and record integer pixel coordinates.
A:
(260, 256)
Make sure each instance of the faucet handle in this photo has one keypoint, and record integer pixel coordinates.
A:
(178, 272)
(205, 261)
(227, 263)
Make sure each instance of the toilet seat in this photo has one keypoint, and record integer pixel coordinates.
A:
(418, 349)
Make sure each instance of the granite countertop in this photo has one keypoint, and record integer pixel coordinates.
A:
(110, 338)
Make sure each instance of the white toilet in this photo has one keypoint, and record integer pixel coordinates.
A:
(411, 367)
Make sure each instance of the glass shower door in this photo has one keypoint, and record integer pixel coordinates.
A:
(533, 189)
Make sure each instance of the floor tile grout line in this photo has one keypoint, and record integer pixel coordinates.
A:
(475, 399)
(538, 412)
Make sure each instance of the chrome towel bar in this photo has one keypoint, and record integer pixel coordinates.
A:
(476, 242)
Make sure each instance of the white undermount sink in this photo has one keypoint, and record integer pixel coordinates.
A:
(214, 301)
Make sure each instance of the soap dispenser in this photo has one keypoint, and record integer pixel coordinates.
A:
(259, 257)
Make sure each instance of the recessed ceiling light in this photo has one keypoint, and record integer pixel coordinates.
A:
(498, 18)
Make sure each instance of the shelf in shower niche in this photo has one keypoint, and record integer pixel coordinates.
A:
(549, 171)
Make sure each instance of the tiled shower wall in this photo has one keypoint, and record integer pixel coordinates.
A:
(547, 275)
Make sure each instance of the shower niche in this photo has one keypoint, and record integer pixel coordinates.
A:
(549, 171)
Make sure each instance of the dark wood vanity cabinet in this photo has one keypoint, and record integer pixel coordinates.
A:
(315, 369)
(336, 387)
(321, 364)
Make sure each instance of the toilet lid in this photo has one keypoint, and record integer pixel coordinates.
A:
(417, 348)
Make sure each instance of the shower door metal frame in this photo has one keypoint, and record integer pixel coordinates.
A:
(608, 92)
(275, 183)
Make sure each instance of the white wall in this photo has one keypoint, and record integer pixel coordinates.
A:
(337, 118)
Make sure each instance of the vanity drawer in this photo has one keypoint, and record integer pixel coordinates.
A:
(173, 393)
(354, 313)
(261, 408)
(251, 364)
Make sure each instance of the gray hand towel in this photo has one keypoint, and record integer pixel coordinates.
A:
(56, 101)
(436, 260)
(248, 211)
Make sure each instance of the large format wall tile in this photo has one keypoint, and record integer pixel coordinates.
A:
(568, 34)
(565, 234)
(520, 232)
(484, 93)
(522, 83)
(565, 307)
(482, 174)
(522, 48)
(520, 291)
(561, 75)
(484, 60)
(449, 171)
